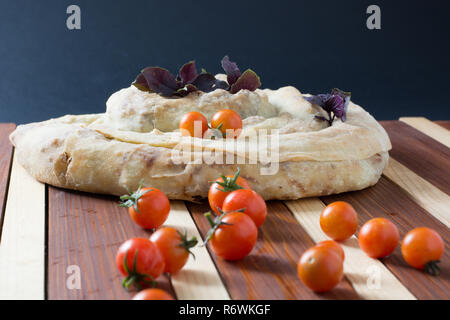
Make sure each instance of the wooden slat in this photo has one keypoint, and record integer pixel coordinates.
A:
(199, 278)
(6, 150)
(444, 124)
(386, 199)
(424, 193)
(22, 246)
(429, 128)
(369, 277)
(420, 153)
(86, 230)
(270, 271)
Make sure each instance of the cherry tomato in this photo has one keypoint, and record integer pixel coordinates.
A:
(339, 220)
(232, 236)
(222, 187)
(320, 269)
(174, 246)
(227, 119)
(148, 207)
(140, 261)
(192, 120)
(332, 245)
(254, 204)
(153, 294)
(378, 238)
(422, 248)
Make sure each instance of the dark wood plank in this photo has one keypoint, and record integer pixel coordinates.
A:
(270, 271)
(420, 153)
(445, 124)
(86, 230)
(6, 150)
(388, 200)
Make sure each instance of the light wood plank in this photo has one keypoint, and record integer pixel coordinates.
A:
(436, 202)
(429, 128)
(199, 279)
(369, 277)
(22, 246)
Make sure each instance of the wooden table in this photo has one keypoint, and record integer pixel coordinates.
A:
(54, 239)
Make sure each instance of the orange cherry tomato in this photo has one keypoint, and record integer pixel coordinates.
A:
(153, 294)
(378, 238)
(174, 246)
(320, 269)
(332, 245)
(254, 205)
(422, 248)
(227, 119)
(140, 261)
(148, 207)
(222, 187)
(234, 237)
(339, 220)
(191, 121)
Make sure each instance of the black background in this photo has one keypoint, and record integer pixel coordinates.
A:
(47, 70)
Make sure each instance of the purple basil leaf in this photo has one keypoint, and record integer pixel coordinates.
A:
(221, 85)
(346, 96)
(335, 104)
(141, 83)
(231, 69)
(188, 72)
(160, 81)
(249, 80)
(204, 82)
(319, 99)
(182, 92)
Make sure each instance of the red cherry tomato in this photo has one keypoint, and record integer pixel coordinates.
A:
(332, 245)
(339, 220)
(174, 246)
(227, 121)
(153, 294)
(378, 238)
(254, 204)
(140, 261)
(148, 207)
(193, 124)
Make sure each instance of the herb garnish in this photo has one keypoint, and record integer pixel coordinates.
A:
(335, 104)
(161, 81)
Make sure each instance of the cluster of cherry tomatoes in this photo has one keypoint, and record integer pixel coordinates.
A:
(224, 123)
(237, 212)
(321, 267)
(143, 260)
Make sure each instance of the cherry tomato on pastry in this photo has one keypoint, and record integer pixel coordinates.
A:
(378, 238)
(232, 235)
(229, 122)
(222, 187)
(332, 245)
(320, 269)
(153, 294)
(148, 207)
(253, 203)
(140, 261)
(193, 124)
(174, 246)
(422, 248)
(339, 220)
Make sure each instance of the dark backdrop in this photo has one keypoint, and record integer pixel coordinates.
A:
(47, 70)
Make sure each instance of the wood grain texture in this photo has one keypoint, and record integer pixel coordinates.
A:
(22, 245)
(6, 150)
(85, 230)
(369, 277)
(429, 128)
(386, 199)
(420, 153)
(199, 278)
(424, 193)
(270, 270)
(443, 123)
